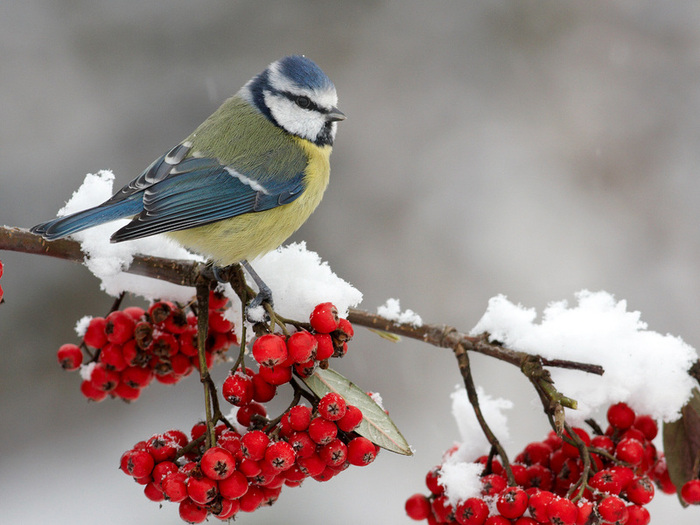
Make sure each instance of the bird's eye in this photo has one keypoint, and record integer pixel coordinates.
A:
(303, 102)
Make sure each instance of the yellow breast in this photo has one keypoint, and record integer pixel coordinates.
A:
(252, 234)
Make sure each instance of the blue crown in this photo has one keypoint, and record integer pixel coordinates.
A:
(304, 72)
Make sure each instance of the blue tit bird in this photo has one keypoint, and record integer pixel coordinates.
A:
(246, 179)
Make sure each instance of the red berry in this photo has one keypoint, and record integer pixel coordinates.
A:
(238, 389)
(630, 451)
(91, 392)
(245, 414)
(345, 330)
(230, 441)
(303, 445)
(613, 510)
(234, 486)
(299, 417)
(262, 390)
(472, 511)
(539, 476)
(301, 346)
(537, 452)
(562, 511)
(139, 463)
(325, 346)
(201, 490)
(252, 499)
(312, 465)
(690, 492)
(334, 453)
(442, 510)
(585, 510)
(217, 463)
(647, 426)
(351, 420)
(160, 311)
(103, 379)
(306, 368)
(119, 328)
(418, 507)
(135, 312)
(161, 470)
(191, 512)
(153, 493)
(538, 505)
(70, 357)
(493, 484)
(277, 376)
(324, 318)
(432, 479)
(603, 443)
(217, 300)
(254, 444)
(361, 451)
(164, 344)
(322, 431)
(126, 393)
(607, 481)
(621, 416)
(162, 447)
(176, 322)
(270, 350)
(224, 509)
(218, 323)
(637, 515)
(332, 406)
(136, 377)
(280, 455)
(640, 490)
(95, 333)
(512, 502)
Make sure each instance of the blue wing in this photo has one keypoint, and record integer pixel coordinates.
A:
(199, 191)
(177, 192)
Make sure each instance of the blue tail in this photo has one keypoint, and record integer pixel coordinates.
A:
(82, 220)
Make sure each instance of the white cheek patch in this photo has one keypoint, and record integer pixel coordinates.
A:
(298, 121)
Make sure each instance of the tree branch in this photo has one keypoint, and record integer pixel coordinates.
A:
(186, 273)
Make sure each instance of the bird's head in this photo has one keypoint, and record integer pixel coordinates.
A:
(297, 96)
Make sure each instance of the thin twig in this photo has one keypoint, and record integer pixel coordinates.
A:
(202, 330)
(465, 369)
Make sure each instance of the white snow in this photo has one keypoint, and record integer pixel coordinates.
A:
(391, 310)
(82, 325)
(459, 474)
(643, 368)
(297, 276)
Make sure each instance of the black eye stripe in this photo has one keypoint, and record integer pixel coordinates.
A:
(311, 106)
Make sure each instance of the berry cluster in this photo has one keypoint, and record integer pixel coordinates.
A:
(133, 346)
(243, 472)
(553, 485)
(245, 469)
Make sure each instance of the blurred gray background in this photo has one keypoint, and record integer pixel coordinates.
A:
(525, 147)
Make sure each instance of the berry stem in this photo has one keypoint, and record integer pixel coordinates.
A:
(202, 330)
(581, 485)
(465, 369)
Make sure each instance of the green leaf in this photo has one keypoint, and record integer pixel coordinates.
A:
(376, 424)
(392, 338)
(682, 443)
